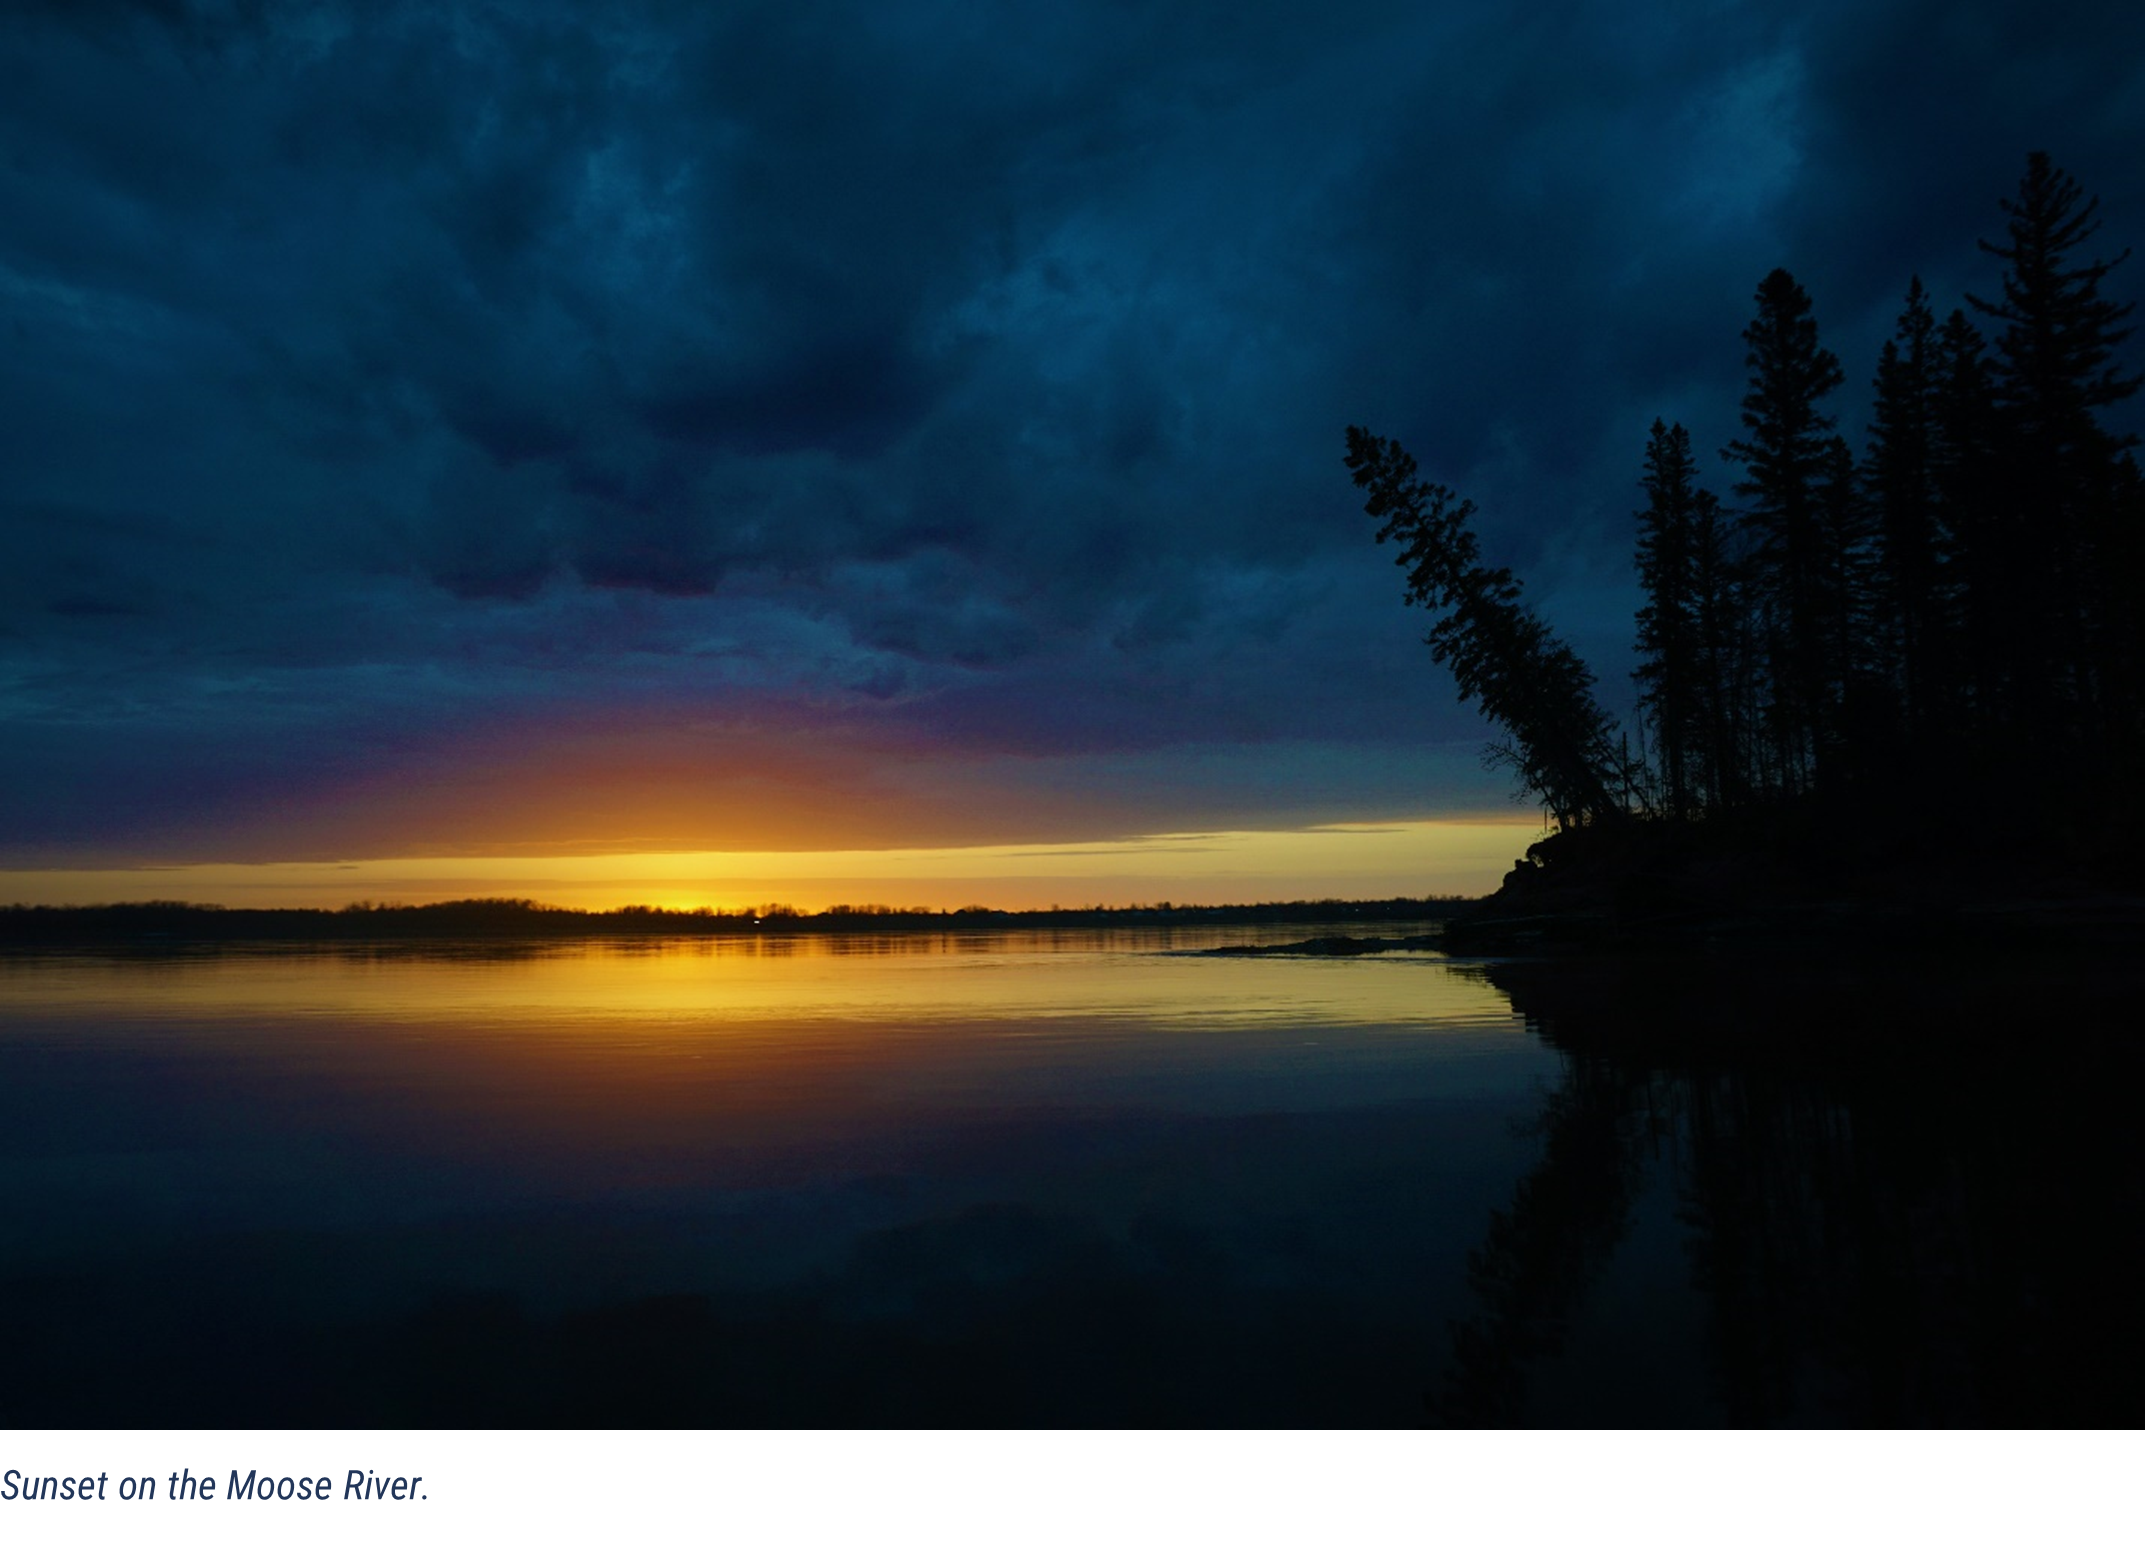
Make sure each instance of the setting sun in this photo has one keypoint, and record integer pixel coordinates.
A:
(1404, 858)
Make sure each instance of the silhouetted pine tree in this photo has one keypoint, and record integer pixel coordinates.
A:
(1726, 659)
(2122, 586)
(1976, 557)
(1911, 615)
(2064, 474)
(1786, 457)
(1561, 744)
(1862, 703)
(1671, 668)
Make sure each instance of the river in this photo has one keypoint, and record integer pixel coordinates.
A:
(1075, 1178)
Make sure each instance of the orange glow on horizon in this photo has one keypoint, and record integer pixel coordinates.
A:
(1466, 856)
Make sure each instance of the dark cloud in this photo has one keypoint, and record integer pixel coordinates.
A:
(382, 375)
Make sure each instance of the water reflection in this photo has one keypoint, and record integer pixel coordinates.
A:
(1060, 1179)
(1015, 1179)
(1906, 1194)
(1065, 974)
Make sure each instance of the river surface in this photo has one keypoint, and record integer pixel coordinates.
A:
(1075, 1178)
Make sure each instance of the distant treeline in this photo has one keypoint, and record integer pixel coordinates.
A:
(151, 922)
(1945, 629)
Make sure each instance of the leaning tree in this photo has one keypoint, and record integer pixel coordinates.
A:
(1559, 742)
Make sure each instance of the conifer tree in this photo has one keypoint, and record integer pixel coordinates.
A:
(1786, 455)
(1859, 705)
(1975, 559)
(1900, 477)
(1670, 671)
(2055, 360)
(2054, 369)
(1560, 743)
(1725, 659)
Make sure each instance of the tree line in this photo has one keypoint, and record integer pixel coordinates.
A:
(176, 924)
(1948, 619)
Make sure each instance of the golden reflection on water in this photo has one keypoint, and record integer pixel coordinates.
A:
(715, 984)
(346, 1130)
(617, 1062)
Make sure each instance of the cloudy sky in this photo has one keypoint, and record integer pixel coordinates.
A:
(540, 429)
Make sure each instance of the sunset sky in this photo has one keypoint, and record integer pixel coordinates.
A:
(705, 453)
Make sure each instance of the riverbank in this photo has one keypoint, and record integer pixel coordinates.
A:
(2077, 919)
(1803, 879)
(168, 924)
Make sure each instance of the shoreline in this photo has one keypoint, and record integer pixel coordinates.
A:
(178, 926)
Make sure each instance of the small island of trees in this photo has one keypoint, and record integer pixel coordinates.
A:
(1927, 658)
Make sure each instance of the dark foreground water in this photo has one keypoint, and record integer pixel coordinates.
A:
(1070, 1179)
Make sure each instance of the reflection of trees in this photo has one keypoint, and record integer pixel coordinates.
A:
(1763, 1182)
(1896, 1212)
(1540, 1255)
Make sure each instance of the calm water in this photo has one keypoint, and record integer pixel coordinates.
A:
(1081, 1178)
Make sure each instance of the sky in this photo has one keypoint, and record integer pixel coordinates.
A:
(822, 436)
